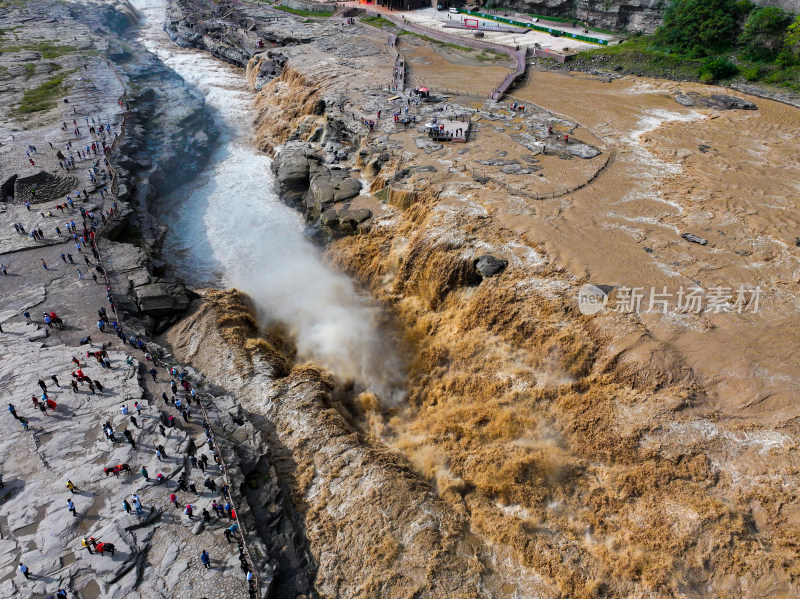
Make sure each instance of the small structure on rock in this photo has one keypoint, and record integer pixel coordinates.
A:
(449, 130)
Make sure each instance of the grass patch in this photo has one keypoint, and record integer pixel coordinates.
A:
(305, 13)
(638, 55)
(378, 21)
(48, 50)
(45, 96)
(489, 55)
(30, 69)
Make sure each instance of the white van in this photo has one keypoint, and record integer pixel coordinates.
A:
(454, 11)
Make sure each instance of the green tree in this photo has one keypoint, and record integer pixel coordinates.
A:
(763, 33)
(791, 43)
(701, 27)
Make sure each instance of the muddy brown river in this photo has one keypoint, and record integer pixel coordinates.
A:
(731, 177)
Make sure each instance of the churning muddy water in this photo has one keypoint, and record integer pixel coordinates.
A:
(731, 177)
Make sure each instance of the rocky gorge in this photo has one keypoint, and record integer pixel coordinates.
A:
(497, 441)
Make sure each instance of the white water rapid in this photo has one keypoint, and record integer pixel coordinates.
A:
(227, 228)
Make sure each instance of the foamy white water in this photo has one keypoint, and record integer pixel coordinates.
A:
(229, 229)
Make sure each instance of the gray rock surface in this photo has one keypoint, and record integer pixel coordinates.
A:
(582, 150)
(291, 168)
(694, 238)
(488, 266)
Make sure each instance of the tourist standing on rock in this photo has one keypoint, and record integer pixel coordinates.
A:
(129, 437)
(85, 543)
(13, 411)
(153, 373)
(126, 506)
(173, 499)
(71, 507)
(55, 380)
(71, 486)
(189, 510)
(192, 487)
(25, 571)
(137, 504)
(145, 474)
(205, 559)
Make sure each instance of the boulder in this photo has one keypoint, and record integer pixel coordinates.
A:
(158, 299)
(354, 217)
(582, 150)
(330, 186)
(347, 188)
(292, 172)
(488, 266)
(329, 218)
(694, 239)
(725, 102)
(322, 191)
(684, 100)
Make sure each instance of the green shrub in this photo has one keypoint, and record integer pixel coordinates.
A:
(716, 69)
(752, 73)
